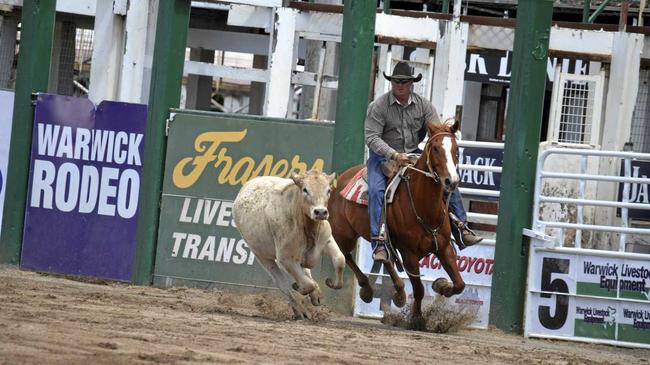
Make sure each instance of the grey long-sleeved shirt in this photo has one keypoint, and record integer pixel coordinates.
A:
(391, 127)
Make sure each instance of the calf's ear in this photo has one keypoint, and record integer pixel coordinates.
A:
(297, 178)
(332, 179)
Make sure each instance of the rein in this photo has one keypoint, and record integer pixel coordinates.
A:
(436, 178)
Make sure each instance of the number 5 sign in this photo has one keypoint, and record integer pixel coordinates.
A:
(548, 309)
(599, 297)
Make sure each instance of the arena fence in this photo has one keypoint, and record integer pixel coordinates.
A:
(584, 294)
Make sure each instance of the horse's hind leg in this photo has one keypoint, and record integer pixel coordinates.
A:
(366, 292)
(281, 281)
(447, 258)
(412, 265)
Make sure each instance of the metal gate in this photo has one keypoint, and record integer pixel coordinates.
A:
(583, 294)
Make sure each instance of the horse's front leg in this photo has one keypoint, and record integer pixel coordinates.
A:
(400, 295)
(447, 257)
(412, 265)
(365, 291)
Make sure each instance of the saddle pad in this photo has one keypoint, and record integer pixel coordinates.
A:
(357, 188)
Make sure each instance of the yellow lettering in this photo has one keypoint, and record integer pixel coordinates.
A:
(297, 165)
(266, 164)
(225, 171)
(207, 144)
(232, 172)
(280, 169)
(246, 175)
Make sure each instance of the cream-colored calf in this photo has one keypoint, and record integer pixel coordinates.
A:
(284, 222)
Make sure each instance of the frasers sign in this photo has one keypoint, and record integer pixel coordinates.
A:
(84, 184)
(495, 69)
(209, 158)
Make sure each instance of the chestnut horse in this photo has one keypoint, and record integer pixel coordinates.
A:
(418, 222)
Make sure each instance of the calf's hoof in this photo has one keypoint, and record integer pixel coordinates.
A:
(329, 282)
(304, 290)
(315, 297)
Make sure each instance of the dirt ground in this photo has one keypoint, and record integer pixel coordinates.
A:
(46, 319)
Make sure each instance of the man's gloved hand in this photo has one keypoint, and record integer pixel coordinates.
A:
(401, 158)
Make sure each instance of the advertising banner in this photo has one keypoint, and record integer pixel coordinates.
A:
(638, 193)
(496, 69)
(209, 157)
(84, 182)
(478, 156)
(589, 297)
(475, 264)
(6, 116)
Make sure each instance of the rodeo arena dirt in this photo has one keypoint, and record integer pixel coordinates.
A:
(48, 319)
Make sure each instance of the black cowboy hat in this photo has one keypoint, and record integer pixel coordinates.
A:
(403, 71)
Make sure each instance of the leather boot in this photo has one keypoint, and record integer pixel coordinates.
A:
(464, 236)
(380, 253)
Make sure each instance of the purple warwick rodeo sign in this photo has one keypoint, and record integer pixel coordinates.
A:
(84, 183)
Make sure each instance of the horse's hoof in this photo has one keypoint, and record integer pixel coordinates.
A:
(418, 323)
(439, 284)
(366, 294)
(399, 298)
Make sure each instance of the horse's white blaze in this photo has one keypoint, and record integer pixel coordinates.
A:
(451, 168)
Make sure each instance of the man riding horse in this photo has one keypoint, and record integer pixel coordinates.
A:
(395, 124)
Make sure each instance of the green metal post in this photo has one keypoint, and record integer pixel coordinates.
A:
(386, 6)
(357, 44)
(165, 93)
(598, 10)
(585, 10)
(445, 6)
(36, 33)
(519, 164)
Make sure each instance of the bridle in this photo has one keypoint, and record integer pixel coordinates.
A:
(436, 178)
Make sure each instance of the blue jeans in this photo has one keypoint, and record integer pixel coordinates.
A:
(456, 205)
(377, 188)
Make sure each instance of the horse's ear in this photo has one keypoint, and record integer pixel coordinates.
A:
(332, 179)
(455, 127)
(297, 178)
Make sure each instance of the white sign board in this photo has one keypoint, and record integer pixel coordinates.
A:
(6, 115)
(606, 299)
(475, 264)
